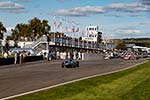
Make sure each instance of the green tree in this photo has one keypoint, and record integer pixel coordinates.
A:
(147, 44)
(121, 46)
(21, 30)
(35, 27)
(39, 27)
(45, 27)
(2, 30)
(7, 45)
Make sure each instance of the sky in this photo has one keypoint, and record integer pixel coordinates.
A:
(116, 19)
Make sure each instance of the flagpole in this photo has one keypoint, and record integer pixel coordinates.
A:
(61, 31)
(67, 32)
(54, 27)
(54, 35)
(78, 34)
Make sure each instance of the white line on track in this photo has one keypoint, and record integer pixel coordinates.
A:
(46, 88)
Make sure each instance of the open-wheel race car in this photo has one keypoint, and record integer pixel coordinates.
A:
(70, 64)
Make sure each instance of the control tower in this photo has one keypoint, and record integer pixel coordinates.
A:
(92, 34)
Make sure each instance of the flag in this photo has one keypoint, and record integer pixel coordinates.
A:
(77, 30)
(73, 30)
(59, 24)
(66, 29)
(54, 23)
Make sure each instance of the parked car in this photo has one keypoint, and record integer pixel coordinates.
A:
(127, 57)
(70, 64)
(107, 56)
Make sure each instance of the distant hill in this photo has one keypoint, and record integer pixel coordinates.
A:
(138, 39)
(145, 42)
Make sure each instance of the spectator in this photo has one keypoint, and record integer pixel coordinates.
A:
(15, 56)
(5, 55)
(21, 57)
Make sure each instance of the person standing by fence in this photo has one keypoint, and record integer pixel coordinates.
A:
(15, 57)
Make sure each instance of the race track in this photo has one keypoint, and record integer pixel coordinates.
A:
(16, 79)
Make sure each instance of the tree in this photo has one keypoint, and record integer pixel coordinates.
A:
(39, 27)
(121, 46)
(45, 27)
(2, 30)
(21, 30)
(7, 45)
(34, 28)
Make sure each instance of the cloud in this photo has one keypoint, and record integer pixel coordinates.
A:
(87, 10)
(126, 32)
(24, 0)
(12, 7)
(129, 33)
(144, 23)
(112, 15)
(146, 2)
(61, 1)
(134, 15)
(132, 7)
(79, 11)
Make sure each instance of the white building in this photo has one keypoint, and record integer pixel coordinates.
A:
(91, 33)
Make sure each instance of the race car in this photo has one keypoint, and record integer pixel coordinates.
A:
(70, 64)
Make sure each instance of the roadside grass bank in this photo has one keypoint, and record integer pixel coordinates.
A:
(131, 84)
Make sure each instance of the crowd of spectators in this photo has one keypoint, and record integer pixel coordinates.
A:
(124, 54)
(17, 55)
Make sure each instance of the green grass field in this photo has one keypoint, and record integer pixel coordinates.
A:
(131, 84)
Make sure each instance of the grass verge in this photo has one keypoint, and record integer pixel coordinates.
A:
(131, 84)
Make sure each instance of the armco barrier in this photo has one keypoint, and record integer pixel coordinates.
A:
(6, 61)
(88, 56)
(32, 58)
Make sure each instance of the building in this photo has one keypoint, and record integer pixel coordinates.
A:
(59, 42)
(92, 34)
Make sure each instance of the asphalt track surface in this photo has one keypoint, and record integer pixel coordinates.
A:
(21, 78)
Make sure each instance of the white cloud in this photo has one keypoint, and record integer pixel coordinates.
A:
(25, 0)
(12, 7)
(80, 11)
(128, 32)
(134, 15)
(87, 10)
(144, 23)
(133, 7)
(113, 15)
(146, 2)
